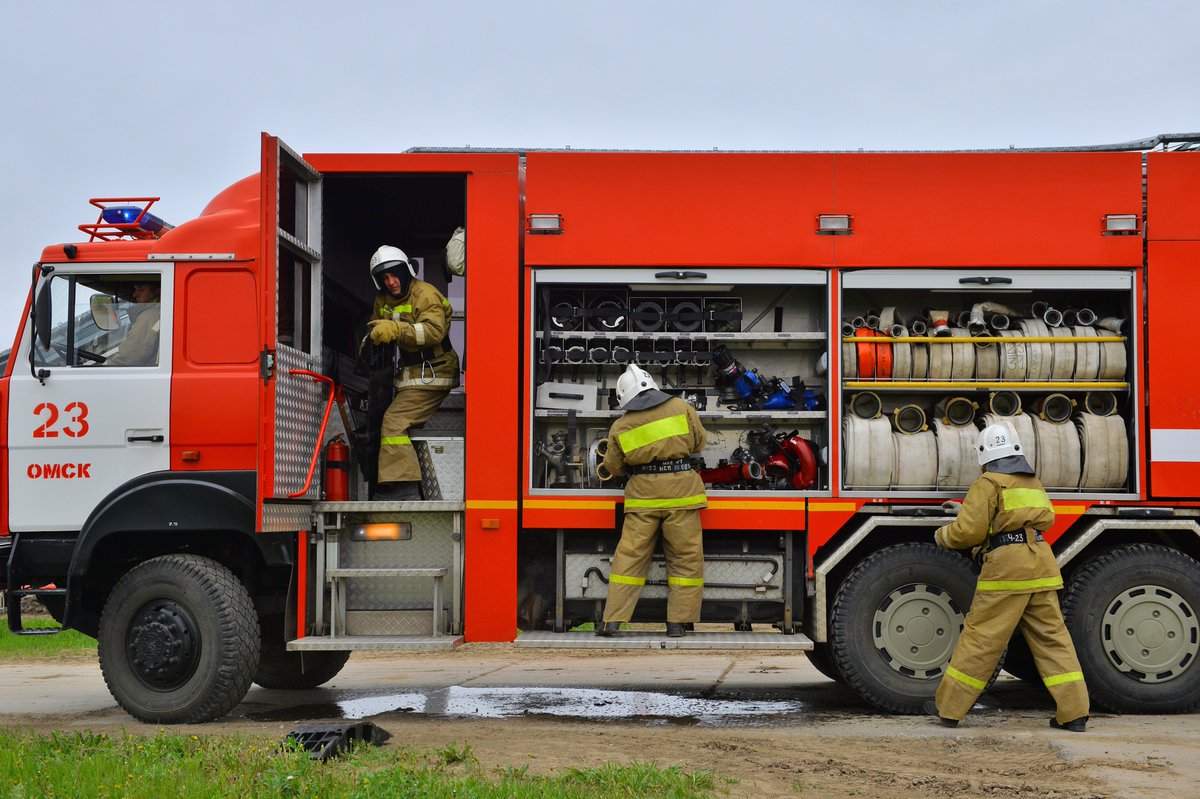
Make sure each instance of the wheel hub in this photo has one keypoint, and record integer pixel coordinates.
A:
(162, 644)
(1150, 633)
(915, 629)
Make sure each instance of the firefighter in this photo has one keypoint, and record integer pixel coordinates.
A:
(415, 317)
(140, 345)
(1003, 517)
(652, 444)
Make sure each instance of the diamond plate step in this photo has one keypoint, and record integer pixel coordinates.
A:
(376, 643)
(659, 640)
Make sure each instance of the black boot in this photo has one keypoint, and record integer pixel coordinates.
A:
(930, 708)
(675, 629)
(607, 629)
(1075, 725)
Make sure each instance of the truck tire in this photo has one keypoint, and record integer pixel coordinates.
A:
(178, 640)
(821, 656)
(281, 670)
(895, 621)
(1132, 613)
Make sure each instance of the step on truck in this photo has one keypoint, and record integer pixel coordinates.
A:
(844, 322)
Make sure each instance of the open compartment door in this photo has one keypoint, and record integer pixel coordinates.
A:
(291, 401)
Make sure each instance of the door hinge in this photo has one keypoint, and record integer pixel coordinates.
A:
(266, 365)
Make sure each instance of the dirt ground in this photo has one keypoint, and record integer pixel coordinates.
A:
(825, 745)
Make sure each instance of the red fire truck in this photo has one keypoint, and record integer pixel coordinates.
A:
(843, 321)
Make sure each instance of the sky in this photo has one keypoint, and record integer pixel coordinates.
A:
(168, 99)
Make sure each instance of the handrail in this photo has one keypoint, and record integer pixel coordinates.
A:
(983, 340)
(324, 423)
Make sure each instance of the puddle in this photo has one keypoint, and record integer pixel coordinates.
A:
(578, 703)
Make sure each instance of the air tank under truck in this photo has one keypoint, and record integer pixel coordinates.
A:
(192, 420)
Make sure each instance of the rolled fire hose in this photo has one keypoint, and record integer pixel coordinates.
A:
(869, 452)
(1068, 317)
(866, 354)
(1022, 425)
(999, 321)
(858, 322)
(958, 465)
(1105, 451)
(887, 318)
(823, 363)
(1012, 357)
(872, 321)
(1055, 408)
(920, 354)
(1112, 324)
(941, 362)
(909, 420)
(940, 322)
(962, 356)
(916, 461)
(1004, 403)
(1101, 403)
(1038, 309)
(962, 319)
(1052, 317)
(956, 411)
(1085, 317)
(849, 357)
(1087, 355)
(902, 359)
(1112, 359)
(866, 405)
(987, 362)
(1063, 356)
(976, 321)
(1038, 357)
(1058, 455)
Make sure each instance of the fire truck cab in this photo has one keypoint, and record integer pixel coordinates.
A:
(843, 322)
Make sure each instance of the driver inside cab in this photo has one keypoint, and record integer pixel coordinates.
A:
(140, 345)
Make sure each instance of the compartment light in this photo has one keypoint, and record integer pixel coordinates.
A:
(833, 225)
(1121, 225)
(545, 224)
(401, 531)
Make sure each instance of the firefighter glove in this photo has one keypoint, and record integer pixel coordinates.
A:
(383, 331)
(951, 507)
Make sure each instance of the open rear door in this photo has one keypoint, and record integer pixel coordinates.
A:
(291, 404)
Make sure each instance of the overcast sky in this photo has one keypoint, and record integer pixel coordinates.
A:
(168, 98)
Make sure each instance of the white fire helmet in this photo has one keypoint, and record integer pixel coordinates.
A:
(997, 441)
(386, 258)
(633, 381)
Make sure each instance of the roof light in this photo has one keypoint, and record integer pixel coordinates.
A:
(833, 225)
(545, 224)
(134, 215)
(1121, 225)
(125, 216)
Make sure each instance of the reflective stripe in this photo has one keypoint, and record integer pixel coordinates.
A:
(419, 332)
(1019, 585)
(1021, 498)
(1059, 679)
(446, 302)
(396, 440)
(965, 679)
(393, 311)
(685, 581)
(665, 503)
(650, 432)
(621, 579)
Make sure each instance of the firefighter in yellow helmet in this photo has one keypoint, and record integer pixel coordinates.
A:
(653, 444)
(415, 317)
(1005, 513)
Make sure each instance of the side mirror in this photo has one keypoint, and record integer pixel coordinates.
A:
(42, 314)
(104, 311)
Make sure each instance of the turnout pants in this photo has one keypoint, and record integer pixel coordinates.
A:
(683, 545)
(411, 406)
(989, 625)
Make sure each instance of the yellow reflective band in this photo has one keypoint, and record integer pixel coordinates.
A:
(1021, 498)
(621, 579)
(445, 302)
(1019, 585)
(685, 581)
(653, 431)
(665, 503)
(1059, 679)
(965, 679)
(396, 440)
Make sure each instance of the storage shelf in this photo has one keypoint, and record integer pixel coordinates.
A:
(983, 385)
(715, 416)
(749, 339)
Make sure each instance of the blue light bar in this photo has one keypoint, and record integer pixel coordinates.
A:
(128, 214)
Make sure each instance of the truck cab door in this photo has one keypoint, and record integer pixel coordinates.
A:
(90, 392)
(291, 405)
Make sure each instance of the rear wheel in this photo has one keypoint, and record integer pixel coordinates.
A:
(895, 621)
(283, 670)
(1018, 660)
(178, 640)
(1132, 614)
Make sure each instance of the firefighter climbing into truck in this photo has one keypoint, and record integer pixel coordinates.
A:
(201, 517)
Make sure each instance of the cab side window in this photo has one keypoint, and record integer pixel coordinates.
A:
(98, 320)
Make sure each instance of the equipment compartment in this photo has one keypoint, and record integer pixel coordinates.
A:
(747, 347)
(928, 357)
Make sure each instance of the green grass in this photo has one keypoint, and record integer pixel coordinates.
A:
(169, 765)
(15, 647)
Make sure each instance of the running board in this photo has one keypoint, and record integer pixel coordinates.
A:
(376, 643)
(659, 640)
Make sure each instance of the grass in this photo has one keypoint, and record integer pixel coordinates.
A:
(133, 767)
(15, 647)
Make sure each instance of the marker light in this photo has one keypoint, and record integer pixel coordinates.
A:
(833, 225)
(545, 224)
(133, 215)
(1121, 225)
(401, 531)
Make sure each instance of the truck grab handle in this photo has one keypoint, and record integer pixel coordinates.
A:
(324, 422)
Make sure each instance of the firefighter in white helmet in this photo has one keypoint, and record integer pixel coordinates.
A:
(415, 317)
(652, 444)
(1004, 514)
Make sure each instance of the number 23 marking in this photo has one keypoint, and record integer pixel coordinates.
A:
(76, 426)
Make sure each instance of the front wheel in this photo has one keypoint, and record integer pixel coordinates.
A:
(178, 640)
(895, 621)
(1132, 612)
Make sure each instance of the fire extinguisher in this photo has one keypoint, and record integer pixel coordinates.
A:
(337, 470)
